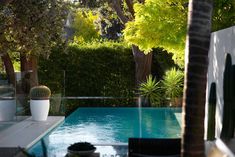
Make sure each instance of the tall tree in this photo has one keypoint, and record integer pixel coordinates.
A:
(5, 43)
(142, 62)
(31, 28)
(196, 65)
(153, 24)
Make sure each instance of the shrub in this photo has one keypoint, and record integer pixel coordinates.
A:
(172, 83)
(162, 61)
(95, 69)
(151, 90)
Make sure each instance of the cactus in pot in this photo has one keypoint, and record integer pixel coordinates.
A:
(7, 103)
(40, 93)
(39, 102)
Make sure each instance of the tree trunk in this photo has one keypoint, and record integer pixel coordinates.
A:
(29, 79)
(9, 68)
(33, 63)
(143, 64)
(29, 72)
(197, 47)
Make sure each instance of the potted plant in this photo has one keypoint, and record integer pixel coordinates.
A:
(39, 102)
(7, 103)
(80, 149)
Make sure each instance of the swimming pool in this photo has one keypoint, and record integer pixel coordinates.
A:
(111, 126)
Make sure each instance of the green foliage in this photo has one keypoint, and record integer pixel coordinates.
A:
(223, 14)
(169, 87)
(7, 92)
(162, 61)
(84, 27)
(96, 69)
(40, 93)
(163, 24)
(109, 24)
(153, 26)
(91, 69)
(32, 26)
(172, 83)
(151, 90)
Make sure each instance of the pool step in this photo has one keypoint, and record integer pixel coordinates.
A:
(26, 133)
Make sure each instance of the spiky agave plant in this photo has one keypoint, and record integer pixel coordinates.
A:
(151, 90)
(172, 83)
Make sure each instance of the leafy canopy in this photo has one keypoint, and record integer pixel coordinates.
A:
(84, 27)
(223, 14)
(162, 23)
(158, 24)
(32, 26)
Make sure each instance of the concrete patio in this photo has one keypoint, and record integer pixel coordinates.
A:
(24, 132)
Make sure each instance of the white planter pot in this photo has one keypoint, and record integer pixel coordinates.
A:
(39, 109)
(7, 110)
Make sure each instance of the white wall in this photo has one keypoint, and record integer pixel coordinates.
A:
(222, 42)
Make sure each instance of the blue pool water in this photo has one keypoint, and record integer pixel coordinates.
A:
(108, 126)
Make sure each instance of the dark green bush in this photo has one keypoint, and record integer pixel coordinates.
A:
(162, 61)
(90, 70)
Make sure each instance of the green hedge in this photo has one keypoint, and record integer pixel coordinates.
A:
(96, 69)
(93, 70)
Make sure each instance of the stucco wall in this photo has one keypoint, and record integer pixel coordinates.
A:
(222, 42)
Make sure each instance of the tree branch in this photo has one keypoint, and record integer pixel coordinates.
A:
(129, 4)
(116, 5)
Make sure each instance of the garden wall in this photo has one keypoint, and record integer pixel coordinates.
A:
(222, 42)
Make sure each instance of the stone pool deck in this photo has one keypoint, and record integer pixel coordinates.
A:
(24, 133)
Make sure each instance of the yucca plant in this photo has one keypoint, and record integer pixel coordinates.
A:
(172, 84)
(151, 90)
